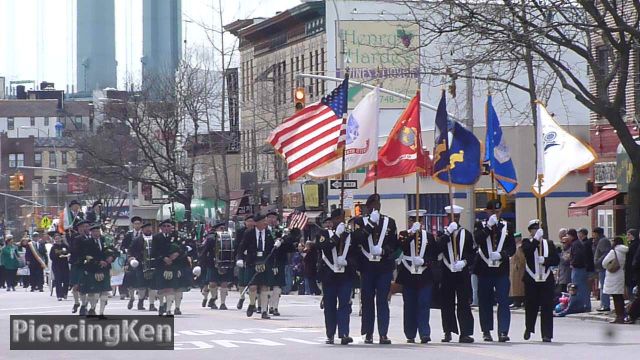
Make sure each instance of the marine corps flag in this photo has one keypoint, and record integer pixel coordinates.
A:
(402, 154)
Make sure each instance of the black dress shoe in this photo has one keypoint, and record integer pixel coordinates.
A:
(265, 316)
(91, 313)
(425, 339)
(213, 305)
(75, 308)
(527, 335)
(177, 311)
(102, 317)
(168, 314)
(204, 302)
(346, 340)
(152, 307)
(446, 338)
(546, 339)
(259, 310)
(161, 310)
(486, 336)
(275, 312)
(503, 337)
(411, 341)
(384, 340)
(250, 310)
(41, 290)
(465, 339)
(140, 304)
(211, 302)
(270, 311)
(83, 311)
(329, 341)
(603, 309)
(368, 339)
(130, 304)
(224, 307)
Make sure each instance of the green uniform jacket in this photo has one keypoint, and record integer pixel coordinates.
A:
(10, 257)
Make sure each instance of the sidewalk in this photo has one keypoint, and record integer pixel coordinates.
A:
(593, 315)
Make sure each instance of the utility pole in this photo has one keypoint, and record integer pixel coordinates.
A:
(471, 196)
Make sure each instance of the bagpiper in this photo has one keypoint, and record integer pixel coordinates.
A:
(165, 254)
(277, 264)
(141, 268)
(495, 245)
(539, 282)
(419, 254)
(183, 263)
(376, 236)
(337, 272)
(457, 254)
(249, 225)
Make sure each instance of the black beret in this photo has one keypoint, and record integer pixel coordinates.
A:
(259, 217)
(167, 221)
(96, 203)
(96, 226)
(146, 225)
(272, 212)
(372, 198)
(248, 217)
(220, 223)
(335, 213)
(494, 204)
(136, 218)
(74, 202)
(82, 222)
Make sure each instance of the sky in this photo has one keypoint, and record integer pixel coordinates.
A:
(37, 41)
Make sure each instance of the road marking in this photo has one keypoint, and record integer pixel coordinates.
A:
(300, 341)
(233, 343)
(198, 345)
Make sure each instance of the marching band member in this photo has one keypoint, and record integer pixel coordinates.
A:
(130, 280)
(141, 268)
(278, 262)
(76, 259)
(165, 254)
(217, 258)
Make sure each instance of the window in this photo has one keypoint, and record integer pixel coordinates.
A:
(636, 84)
(16, 160)
(52, 159)
(10, 124)
(605, 221)
(602, 71)
(46, 121)
(63, 157)
(37, 159)
(317, 82)
(311, 69)
(79, 157)
(32, 121)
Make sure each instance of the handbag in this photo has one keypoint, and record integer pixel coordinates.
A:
(613, 265)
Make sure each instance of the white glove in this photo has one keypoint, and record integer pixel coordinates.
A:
(240, 263)
(189, 248)
(494, 255)
(340, 229)
(493, 220)
(197, 271)
(376, 251)
(374, 216)
(459, 265)
(134, 263)
(539, 234)
(540, 259)
(418, 261)
(452, 227)
(415, 228)
(277, 244)
(342, 261)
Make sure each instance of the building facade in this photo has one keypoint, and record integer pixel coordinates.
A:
(96, 45)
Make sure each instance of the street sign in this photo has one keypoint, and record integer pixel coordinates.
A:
(45, 222)
(346, 184)
(160, 201)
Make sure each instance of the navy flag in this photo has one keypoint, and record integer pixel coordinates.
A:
(458, 151)
(497, 153)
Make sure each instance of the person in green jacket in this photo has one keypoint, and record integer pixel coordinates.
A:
(10, 262)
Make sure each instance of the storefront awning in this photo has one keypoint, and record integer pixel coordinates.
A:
(582, 207)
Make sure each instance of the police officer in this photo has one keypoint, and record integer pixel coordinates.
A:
(337, 272)
(456, 245)
(495, 245)
(539, 283)
(376, 236)
(419, 253)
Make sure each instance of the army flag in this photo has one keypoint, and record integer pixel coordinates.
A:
(402, 154)
(558, 153)
(457, 151)
(497, 152)
(361, 147)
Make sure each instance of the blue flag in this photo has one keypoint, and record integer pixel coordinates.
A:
(497, 154)
(458, 151)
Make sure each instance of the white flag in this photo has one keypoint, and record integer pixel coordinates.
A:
(558, 153)
(362, 139)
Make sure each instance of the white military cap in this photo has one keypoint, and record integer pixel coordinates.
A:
(456, 209)
(534, 222)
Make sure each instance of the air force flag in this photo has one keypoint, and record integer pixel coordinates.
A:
(497, 152)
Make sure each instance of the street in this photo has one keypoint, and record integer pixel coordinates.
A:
(299, 334)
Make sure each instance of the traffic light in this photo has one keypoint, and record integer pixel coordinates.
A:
(20, 181)
(14, 182)
(299, 98)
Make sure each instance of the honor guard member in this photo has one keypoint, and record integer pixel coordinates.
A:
(419, 253)
(376, 236)
(256, 247)
(495, 245)
(456, 246)
(96, 279)
(130, 281)
(76, 260)
(165, 253)
(141, 268)
(218, 260)
(279, 259)
(539, 283)
(336, 271)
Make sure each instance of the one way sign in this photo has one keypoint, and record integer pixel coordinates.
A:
(344, 184)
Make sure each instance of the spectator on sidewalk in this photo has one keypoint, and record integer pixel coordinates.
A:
(575, 304)
(614, 283)
(629, 275)
(564, 268)
(310, 269)
(516, 274)
(603, 246)
(23, 272)
(297, 266)
(579, 268)
(9, 257)
(592, 275)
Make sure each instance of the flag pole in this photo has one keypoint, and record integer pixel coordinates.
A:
(344, 149)
(375, 165)
(419, 233)
(451, 216)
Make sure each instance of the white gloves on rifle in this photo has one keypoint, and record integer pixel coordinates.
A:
(278, 243)
(459, 265)
(340, 229)
(493, 220)
(540, 259)
(376, 251)
(134, 263)
(374, 217)
(415, 228)
(495, 256)
(240, 263)
(452, 227)
(418, 261)
(197, 271)
(539, 234)
(341, 261)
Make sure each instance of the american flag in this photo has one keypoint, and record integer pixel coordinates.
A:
(313, 136)
(298, 220)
